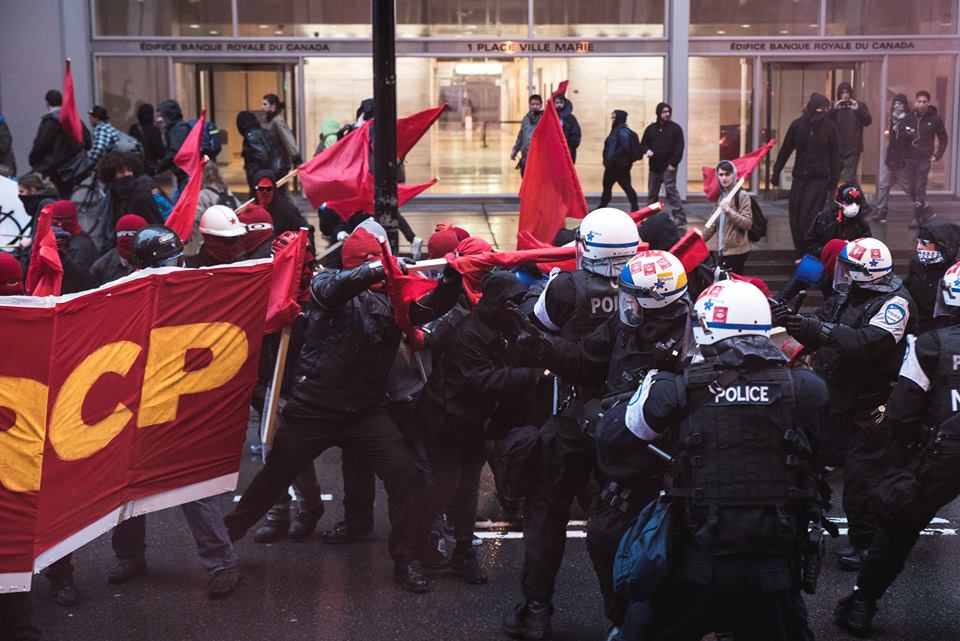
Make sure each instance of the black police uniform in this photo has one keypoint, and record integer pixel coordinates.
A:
(338, 399)
(860, 338)
(926, 397)
(743, 487)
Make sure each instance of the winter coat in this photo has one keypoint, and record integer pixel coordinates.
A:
(328, 134)
(923, 281)
(6, 147)
(665, 139)
(814, 137)
(826, 227)
(923, 128)
(737, 220)
(898, 140)
(527, 126)
(110, 267)
(616, 147)
(285, 144)
(128, 195)
(259, 152)
(83, 251)
(52, 146)
(285, 215)
(571, 128)
(75, 278)
(850, 124)
(150, 137)
(175, 135)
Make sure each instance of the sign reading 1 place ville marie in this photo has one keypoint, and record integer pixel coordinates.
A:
(119, 401)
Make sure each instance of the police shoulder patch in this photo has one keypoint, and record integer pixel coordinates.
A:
(893, 317)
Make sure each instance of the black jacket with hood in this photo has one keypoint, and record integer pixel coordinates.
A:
(850, 123)
(616, 148)
(571, 128)
(898, 140)
(150, 137)
(830, 224)
(176, 132)
(815, 138)
(666, 141)
(285, 215)
(923, 128)
(923, 281)
(52, 146)
(259, 149)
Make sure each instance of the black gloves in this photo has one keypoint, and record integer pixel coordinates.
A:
(779, 311)
(451, 275)
(403, 264)
(807, 329)
(775, 179)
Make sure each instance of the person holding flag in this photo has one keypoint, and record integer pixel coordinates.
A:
(735, 220)
(56, 153)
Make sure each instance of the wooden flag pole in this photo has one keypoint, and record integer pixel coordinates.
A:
(280, 183)
(716, 214)
(268, 423)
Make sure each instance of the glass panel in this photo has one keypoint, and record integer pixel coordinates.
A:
(461, 18)
(127, 83)
(910, 74)
(748, 18)
(883, 17)
(311, 18)
(721, 114)
(598, 18)
(183, 18)
(597, 87)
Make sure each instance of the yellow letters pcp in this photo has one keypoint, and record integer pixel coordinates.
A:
(21, 446)
(166, 380)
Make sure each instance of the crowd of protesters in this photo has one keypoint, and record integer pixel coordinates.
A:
(611, 342)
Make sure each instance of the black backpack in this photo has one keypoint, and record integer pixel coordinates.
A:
(758, 229)
(226, 198)
(636, 153)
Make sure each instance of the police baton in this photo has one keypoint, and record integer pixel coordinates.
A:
(659, 453)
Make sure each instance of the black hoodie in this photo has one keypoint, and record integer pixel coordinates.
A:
(571, 128)
(898, 140)
(923, 281)
(666, 141)
(150, 136)
(285, 215)
(814, 137)
(259, 150)
(176, 133)
(923, 127)
(850, 123)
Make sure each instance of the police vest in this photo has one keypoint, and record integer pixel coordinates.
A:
(944, 410)
(739, 450)
(596, 302)
(633, 356)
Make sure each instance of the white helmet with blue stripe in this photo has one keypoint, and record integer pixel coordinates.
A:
(863, 261)
(650, 280)
(606, 240)
(948, 302)
(730, 308)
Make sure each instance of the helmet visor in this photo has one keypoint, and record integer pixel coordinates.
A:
(948, 301)
(171, 261)
(842, 280)
(631, 313)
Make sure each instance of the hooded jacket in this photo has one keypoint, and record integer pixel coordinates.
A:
(571, 127)
(52, 147)
(285, 215)
(259, 149)
(850, 123)
(665, 139)
(923, 281)
(815, 139)
(735, 221)
(150, 137)
(898, 140)
(176, 132)
(527, 126)
(923, 128)
(616, 147)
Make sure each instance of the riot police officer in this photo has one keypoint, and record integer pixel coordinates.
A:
(572, 305)
(736, 525)
(925, 400)
(859, 336)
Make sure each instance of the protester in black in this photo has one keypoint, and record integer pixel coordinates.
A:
(923, 126)
(129, 191)
(569, 124)
(662, 143)
(618, 160)
(55, 154)
(150, 137)
(259, 149)
(851, 117)
(175, 132)
(937, 246)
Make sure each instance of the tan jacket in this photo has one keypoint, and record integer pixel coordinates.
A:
(737, 220)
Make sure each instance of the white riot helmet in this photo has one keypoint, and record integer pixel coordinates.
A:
(948, 298)
(650, 280)
(606, 240)
(863, 261)
(728, 309)
(220, 220)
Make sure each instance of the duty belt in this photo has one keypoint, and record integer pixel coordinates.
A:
(619, 497)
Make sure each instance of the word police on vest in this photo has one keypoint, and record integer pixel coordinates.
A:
(605, 304)
(747, 395)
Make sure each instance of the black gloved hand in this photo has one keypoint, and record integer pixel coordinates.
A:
(775, 179)
(450, 274)
(377, 272)
(532, 346)
(779, 311)
(297, 160)
(404, 263)
(803, 328)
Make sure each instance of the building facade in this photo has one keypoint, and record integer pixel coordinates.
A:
(735, 71)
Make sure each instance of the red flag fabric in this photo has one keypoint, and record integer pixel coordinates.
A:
(282, 306)
(69, 116)
(744, 164)
(188, 158)
(526, 240)
(45, 274)
(649, 210)
(411, 129)
(550, 191)
(184, 213)
(691, 249)
(475, 266)
(404, 289)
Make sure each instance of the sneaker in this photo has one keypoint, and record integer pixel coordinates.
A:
(271, 531)
(466, 565)
(223, 582)
(126, 570)
(854, 613)
(304, 523)
(65, 591)
(529, 620)
(416, 248)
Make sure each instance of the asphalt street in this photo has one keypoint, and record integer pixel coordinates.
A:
(316, 591)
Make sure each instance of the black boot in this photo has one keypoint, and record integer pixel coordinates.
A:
(64, 590)
(855, 613)
(409, 576)
(125, 570)
(530, 620)
(342, 533)
(304, 523)
(849, 559)
(271, 531)
(464, 563)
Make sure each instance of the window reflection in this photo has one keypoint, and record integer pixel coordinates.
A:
(183, 18)
(733, 18)
(309, 18)
(598, 18)
(891, 17)
(126, 83)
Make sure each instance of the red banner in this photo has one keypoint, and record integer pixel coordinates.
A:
(119, 401)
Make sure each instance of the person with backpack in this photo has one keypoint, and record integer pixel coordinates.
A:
(662, 144)
(618, 157)
(107, 138)
(259, 149)
(176, 130)
(285, 142)
(151, 138)
(734, 223)
(55, 154)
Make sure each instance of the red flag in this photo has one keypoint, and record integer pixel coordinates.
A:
(184, 213)
(282, 306)
(188, 158)
(649, 210)
(744, 164)
(691, 249)
(550, 191)
(404, 289)
(475, 266)
(69, 117)
(411, 129)
(45, 274)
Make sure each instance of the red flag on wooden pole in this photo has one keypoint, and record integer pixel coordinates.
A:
(744, 164)
(188, 158)
(69, 116)
(184, 213)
